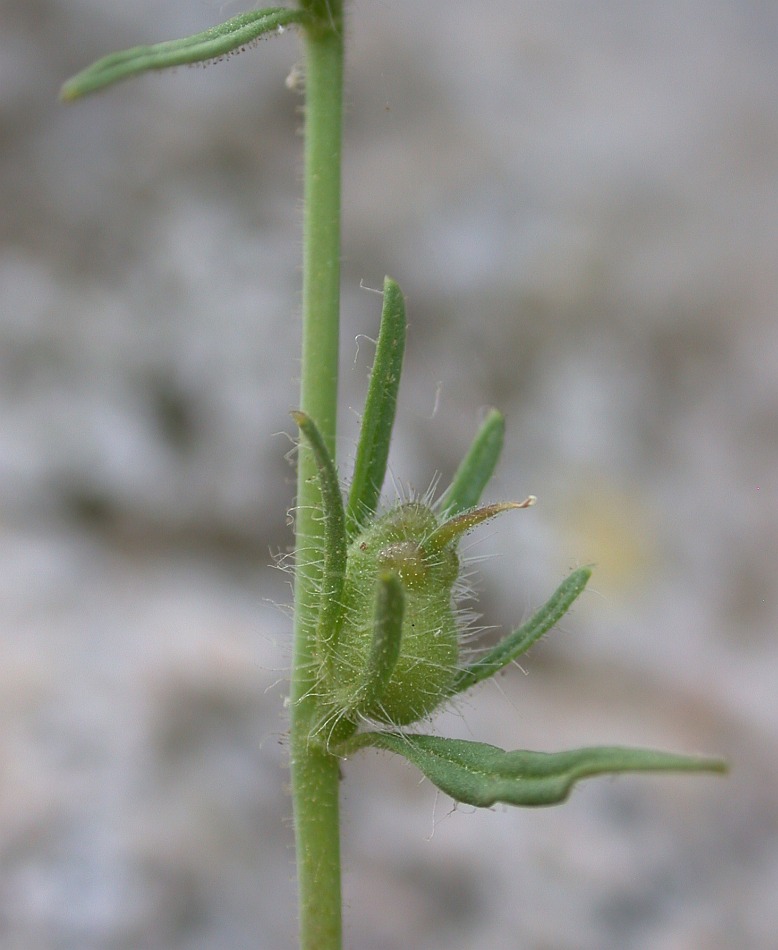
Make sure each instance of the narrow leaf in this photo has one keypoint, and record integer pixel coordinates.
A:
(476, 468)
(483, 775)
(378, 419)
(212, 43)
(385, 649)
(334, 569)
(528, 633)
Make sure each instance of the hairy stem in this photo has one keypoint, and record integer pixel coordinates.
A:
(314, 770)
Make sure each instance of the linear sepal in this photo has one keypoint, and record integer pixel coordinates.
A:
(451, 531)
(385, 648)
(528, 633)
(476, 468)
(334, 568)
(380, 405)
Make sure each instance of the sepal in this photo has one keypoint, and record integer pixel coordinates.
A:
(451, 531)
(378, 419)
(476, 468)
(528, 633)
(385, 648)
(334, 569)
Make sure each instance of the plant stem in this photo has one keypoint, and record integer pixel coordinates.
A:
(314, 770)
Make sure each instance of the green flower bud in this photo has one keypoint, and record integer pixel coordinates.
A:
(429, 648)
(411, 543)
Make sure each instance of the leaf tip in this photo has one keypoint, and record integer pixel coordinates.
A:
(393, 293)
(68, 91)
(714, 764)
(584, 574)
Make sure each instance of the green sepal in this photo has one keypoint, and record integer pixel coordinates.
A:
(479, 774)
(385, 648)
(528, 633)
(376, 432)
(451, 531)
(334, 567)
(476, 468)
(212, 43)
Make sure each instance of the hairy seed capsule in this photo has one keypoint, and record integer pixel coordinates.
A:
(429, 648)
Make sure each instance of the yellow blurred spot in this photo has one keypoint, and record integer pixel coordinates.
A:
(611, 527)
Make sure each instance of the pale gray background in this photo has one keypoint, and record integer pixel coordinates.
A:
(580, 202)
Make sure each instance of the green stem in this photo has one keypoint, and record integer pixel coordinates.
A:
(314, 771)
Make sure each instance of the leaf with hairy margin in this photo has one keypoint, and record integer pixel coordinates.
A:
(479, 774)
(217, 41)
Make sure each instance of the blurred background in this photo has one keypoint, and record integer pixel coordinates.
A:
(580, 203)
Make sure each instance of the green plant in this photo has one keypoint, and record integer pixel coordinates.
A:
(378, 637)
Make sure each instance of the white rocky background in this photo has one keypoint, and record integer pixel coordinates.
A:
(580, 201)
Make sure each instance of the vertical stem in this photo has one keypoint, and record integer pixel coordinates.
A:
(314, 771)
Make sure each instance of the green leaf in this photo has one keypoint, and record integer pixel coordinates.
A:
(528, 633)
(483, 775)
(334, 569)
(476, 468)
(385, 648)
(378, 419)
(217, 41)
